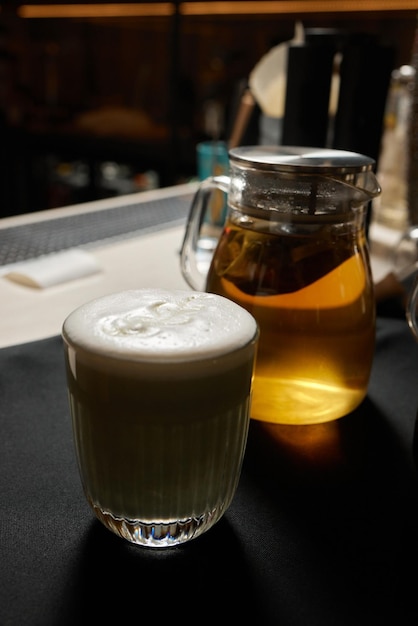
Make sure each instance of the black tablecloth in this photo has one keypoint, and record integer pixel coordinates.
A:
(323, 529)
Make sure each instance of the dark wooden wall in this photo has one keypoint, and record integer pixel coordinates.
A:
(53, 71)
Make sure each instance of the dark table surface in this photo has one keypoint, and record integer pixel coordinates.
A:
(323, 529)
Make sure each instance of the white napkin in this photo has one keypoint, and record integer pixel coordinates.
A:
(53, 269)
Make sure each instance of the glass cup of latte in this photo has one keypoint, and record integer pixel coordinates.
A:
(159, 385)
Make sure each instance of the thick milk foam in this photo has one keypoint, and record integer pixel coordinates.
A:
(161, 326)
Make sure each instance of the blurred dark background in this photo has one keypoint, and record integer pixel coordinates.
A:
(95, 103)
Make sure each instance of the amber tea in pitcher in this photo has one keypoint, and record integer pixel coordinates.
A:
(293, 252)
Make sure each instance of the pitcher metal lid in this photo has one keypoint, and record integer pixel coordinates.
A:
(302, 160)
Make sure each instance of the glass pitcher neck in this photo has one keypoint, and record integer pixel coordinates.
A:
(300, 180)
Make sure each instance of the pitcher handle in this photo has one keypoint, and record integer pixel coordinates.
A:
(188, 255)
(411, 308)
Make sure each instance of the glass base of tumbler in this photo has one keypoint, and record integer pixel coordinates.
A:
(158, 534)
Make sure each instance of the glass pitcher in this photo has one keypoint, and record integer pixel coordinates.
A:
(293, 252)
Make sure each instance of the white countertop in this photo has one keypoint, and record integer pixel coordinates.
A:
(149, 260)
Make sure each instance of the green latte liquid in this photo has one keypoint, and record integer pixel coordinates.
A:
(162, 449)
